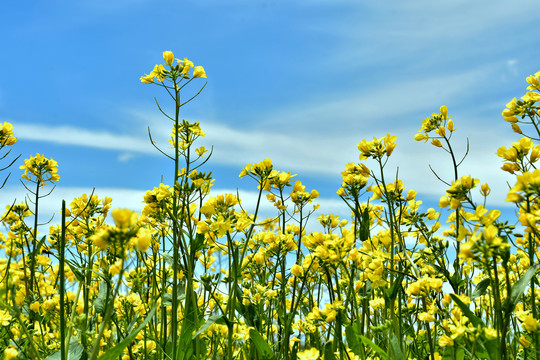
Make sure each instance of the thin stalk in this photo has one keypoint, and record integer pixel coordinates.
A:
(62, 284)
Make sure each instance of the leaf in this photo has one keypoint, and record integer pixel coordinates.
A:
(101, 299)
(364, 225)
(76, 352)
(116, 351)
(250, 314)
(489, 346)
(480, 289)
(398, 354)
(167, 298)
(168, 259)
(76, 271)
(391, 294)
(475, 320)
(263, 349)
(519, 287)
(39, 245)
(220, 319)
(329, 351)
(492, 347)
(352, 341)
(449, 353)
(198, 242)
(372, 345)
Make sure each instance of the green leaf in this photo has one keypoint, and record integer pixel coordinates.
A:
(460, 354)
(37, 250)
(263, 349)
(101, 299)
(198, 242)
(449, 353)
(168, 259)
(364, 226)
(76, 352)
(475, 320)
(480, 289)
(491, 346)
(220, 319)
(372, 345)
(352, 341)
(167, 298)
(519, 287)
(391, 294)
(249, 313)
(398, 354)
(116, 351)
(329, 351)
(75, 270)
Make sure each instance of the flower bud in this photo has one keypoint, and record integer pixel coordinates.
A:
(168, 56)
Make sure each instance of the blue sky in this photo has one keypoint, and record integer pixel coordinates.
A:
(300, 82)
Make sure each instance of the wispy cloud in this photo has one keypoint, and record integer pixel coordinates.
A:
(68, 135)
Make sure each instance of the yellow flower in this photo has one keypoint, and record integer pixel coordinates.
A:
(425, 316)
(124, 218)
(436, 143)
(446, 341)
(523, 341)
(10, 353)
(516, 129)
(490, 333)
(6, 135)
(485, 190)
(158, 72)
(390, 143)
(533, 81)
(310, 354)
(100, 239)
(5, 317)
(185, 66)
(444, 111)
(530, 324)
(35, 306)
(147, 79)
(297, 270)
(43, 169)
(198, 72)
(144, 238)
(168, 56)
(450, 126)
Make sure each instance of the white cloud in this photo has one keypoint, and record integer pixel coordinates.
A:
(68, 135)
(125, 157)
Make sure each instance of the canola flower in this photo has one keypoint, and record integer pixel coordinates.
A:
(40, 169)
(7, 137)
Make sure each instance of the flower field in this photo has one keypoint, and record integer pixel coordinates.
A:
(197, 275)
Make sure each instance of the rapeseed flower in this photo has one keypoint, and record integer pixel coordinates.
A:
(310, 354)
(6, 135)
(40, 169)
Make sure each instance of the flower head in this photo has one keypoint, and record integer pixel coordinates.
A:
(6, 135)
(40, 169)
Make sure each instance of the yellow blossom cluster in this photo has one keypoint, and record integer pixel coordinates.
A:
(40, 169)
(6, 135)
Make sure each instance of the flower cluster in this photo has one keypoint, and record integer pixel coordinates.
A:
(6, 135)
(183, 69)
(40, 170)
